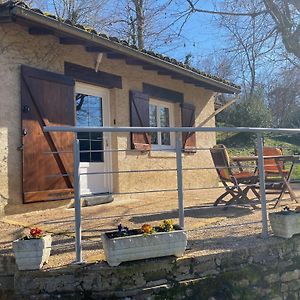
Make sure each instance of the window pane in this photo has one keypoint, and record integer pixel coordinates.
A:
(153, 115)
(96, 145)
(165, 138)
(164, 122)
(97, 136)
(97, 157)
(82, 110)
(84, 145)
(89, 113)
(83, 135)
(88, 110)
(154, 139)
(95, 111)
(85, 157)
(164, 117)
(153, 123)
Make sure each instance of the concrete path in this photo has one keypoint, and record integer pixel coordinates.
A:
(210, 229)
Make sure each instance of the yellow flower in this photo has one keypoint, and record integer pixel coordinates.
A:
(147, 228)
(167, 225)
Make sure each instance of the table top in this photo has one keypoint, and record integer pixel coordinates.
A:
(292, 158)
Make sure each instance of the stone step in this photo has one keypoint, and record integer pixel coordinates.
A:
(93, 200)
(97, 199)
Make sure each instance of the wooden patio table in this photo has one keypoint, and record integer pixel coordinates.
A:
(294, 159)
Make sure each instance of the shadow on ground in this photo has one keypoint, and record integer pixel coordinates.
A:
(195, 212)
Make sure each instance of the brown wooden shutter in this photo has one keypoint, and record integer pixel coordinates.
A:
(188, 120)
(47, 99)
(139, 117)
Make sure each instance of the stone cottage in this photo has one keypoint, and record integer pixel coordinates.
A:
(54, 72)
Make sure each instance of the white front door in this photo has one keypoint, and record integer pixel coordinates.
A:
(92, 110)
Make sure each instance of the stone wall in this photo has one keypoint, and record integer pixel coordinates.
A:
(7, 271)
(17, 47)
(268, 272)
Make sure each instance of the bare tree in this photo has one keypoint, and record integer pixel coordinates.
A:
(88, 12)
(284, 97)
(145, 23)
(285, 15)
(251, 43)
(140, 22)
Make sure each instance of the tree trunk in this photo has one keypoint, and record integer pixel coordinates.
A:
(289, 28)
(140, 22)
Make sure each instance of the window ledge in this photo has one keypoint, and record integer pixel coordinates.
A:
(163, 154)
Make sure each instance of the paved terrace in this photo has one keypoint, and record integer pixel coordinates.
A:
(211, 230)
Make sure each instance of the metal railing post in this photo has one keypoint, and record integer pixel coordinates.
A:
(78, 247)
(262, 186)
(179, 180)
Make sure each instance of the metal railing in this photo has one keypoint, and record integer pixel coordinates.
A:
(179, 167)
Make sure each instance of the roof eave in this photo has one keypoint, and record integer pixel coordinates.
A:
(122, 49)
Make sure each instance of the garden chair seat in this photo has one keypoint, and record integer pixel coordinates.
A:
(274, 172)
(243, 175)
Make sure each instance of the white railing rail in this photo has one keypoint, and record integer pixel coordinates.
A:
(177, 130)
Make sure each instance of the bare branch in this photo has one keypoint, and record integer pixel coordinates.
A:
(225, 13)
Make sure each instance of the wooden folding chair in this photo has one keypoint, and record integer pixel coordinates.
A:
(274, 181)
(243, 181)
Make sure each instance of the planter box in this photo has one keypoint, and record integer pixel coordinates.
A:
(285, 224)
(140, 246)
(32, 254)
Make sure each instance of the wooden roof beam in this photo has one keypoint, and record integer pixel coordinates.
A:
(191, 81)
(209, 87)
(97, 49)
(39, 31)
(134, 62)
(151, 68)
(177, 77)
(164, 73)
(115, 56)
(70, 41)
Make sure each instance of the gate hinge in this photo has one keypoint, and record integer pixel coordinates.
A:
(20, 148)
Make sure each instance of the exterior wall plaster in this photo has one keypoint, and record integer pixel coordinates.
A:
(17, 47)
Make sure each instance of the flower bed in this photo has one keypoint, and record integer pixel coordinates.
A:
(147, 242)
(33, 250)
(285, 223)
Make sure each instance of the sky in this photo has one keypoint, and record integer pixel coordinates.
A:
(201, 37)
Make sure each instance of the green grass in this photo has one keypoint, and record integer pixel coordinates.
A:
(240, 144)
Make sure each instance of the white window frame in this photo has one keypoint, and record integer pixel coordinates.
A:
(171, 108)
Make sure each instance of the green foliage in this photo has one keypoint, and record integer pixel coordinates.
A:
(295, 118)
(252, 112)
(240, 145)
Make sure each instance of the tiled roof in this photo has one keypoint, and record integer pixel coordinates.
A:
(12, 4)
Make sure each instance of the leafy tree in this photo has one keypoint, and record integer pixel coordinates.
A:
(252, 112)
(295, 118)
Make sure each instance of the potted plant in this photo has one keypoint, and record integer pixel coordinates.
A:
(285, 223)
(147, 242)
(33, 250)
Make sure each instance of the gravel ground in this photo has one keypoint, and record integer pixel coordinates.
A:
(211, 230)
